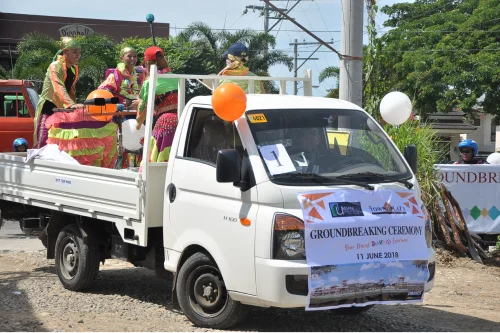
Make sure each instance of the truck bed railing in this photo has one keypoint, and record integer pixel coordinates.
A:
(210, 81)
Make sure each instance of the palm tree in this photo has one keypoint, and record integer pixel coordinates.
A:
(327, 73)
(98, 54)
(214, 43)
(37, 50)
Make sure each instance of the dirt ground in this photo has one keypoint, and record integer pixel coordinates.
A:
(466, 297)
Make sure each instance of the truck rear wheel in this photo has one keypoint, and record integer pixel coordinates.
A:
(203, 296)
(77, 263)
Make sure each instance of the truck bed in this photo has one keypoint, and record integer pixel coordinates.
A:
(106, 194)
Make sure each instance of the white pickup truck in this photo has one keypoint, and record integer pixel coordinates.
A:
(229, 230)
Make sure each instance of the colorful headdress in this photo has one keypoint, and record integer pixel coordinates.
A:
(68, 43)
(238, 50)
(236, 57)
(127, 49)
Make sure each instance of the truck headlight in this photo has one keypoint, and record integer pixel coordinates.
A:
(288, 239)
(428, 226)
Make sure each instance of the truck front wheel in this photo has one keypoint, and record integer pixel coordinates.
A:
(203, 296)
(77, 263)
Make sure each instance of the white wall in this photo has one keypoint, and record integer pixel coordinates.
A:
(482, 134)
(497, 143)
(454, 141)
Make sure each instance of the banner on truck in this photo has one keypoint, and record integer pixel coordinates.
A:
(477, 190)
(364, 247)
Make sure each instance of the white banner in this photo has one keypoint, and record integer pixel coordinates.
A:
(364, 247)
(477, 190)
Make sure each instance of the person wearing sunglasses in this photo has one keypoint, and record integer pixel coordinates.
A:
(468, 151)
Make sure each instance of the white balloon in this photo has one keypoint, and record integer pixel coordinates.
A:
(131, 137)
(395, 108)
(493, 158)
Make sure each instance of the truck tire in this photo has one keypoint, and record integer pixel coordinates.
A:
(353, 310)
(77, 264)
(203, 296)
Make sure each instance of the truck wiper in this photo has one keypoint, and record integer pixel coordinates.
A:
(323, 180)
(378, 176)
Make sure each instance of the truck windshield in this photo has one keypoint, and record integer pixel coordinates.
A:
(324, 147)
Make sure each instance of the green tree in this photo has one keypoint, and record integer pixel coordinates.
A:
(3, 73)
(443, 53)
(182, 56)
(328, 73)
(98, 54)
(36, 52)
(214, 43)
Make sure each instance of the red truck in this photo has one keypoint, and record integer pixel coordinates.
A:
(18, 100)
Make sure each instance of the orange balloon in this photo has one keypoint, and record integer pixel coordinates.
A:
(229, 101)
(97, 109)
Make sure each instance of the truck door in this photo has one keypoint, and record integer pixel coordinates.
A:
(15, 119)
(208, 213)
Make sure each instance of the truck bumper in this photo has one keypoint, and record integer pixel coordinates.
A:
(284, 284)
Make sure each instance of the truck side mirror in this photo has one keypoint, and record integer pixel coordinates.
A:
(411, 157)
(228, 166)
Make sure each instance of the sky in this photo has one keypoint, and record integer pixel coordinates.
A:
(323, 17)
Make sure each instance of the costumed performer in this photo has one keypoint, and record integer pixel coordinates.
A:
(58, 87)
(165, 110)
(236, 59)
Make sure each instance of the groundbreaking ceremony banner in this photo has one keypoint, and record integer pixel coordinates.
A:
(364, 247)
(477, 190)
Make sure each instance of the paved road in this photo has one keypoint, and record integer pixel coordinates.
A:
(12, 239)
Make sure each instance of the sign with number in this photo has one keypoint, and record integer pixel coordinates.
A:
(257, 118)
(277, 159)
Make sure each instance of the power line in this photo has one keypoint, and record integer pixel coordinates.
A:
(321, 15)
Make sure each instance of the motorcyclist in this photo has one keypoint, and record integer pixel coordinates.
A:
(468, 152)
(20, 145)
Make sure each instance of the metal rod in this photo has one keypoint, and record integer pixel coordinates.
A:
(295, 66)
(308, 32)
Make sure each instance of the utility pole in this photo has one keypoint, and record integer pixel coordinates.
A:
(266, 18)
(266, 10)
(295, 54)
(295, 66)
(351, 67)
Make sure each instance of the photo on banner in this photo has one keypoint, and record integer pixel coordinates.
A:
(368, 283)
(364, 247)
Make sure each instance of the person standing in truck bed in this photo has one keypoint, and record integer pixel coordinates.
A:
(236, 58)
(165, 109)
(58, 87)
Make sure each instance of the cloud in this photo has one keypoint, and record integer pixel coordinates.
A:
(394, 264)
(422, 273)
(361, 280)
(370, 266)
(334, 279)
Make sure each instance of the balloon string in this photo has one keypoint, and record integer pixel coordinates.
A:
(234, 136)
